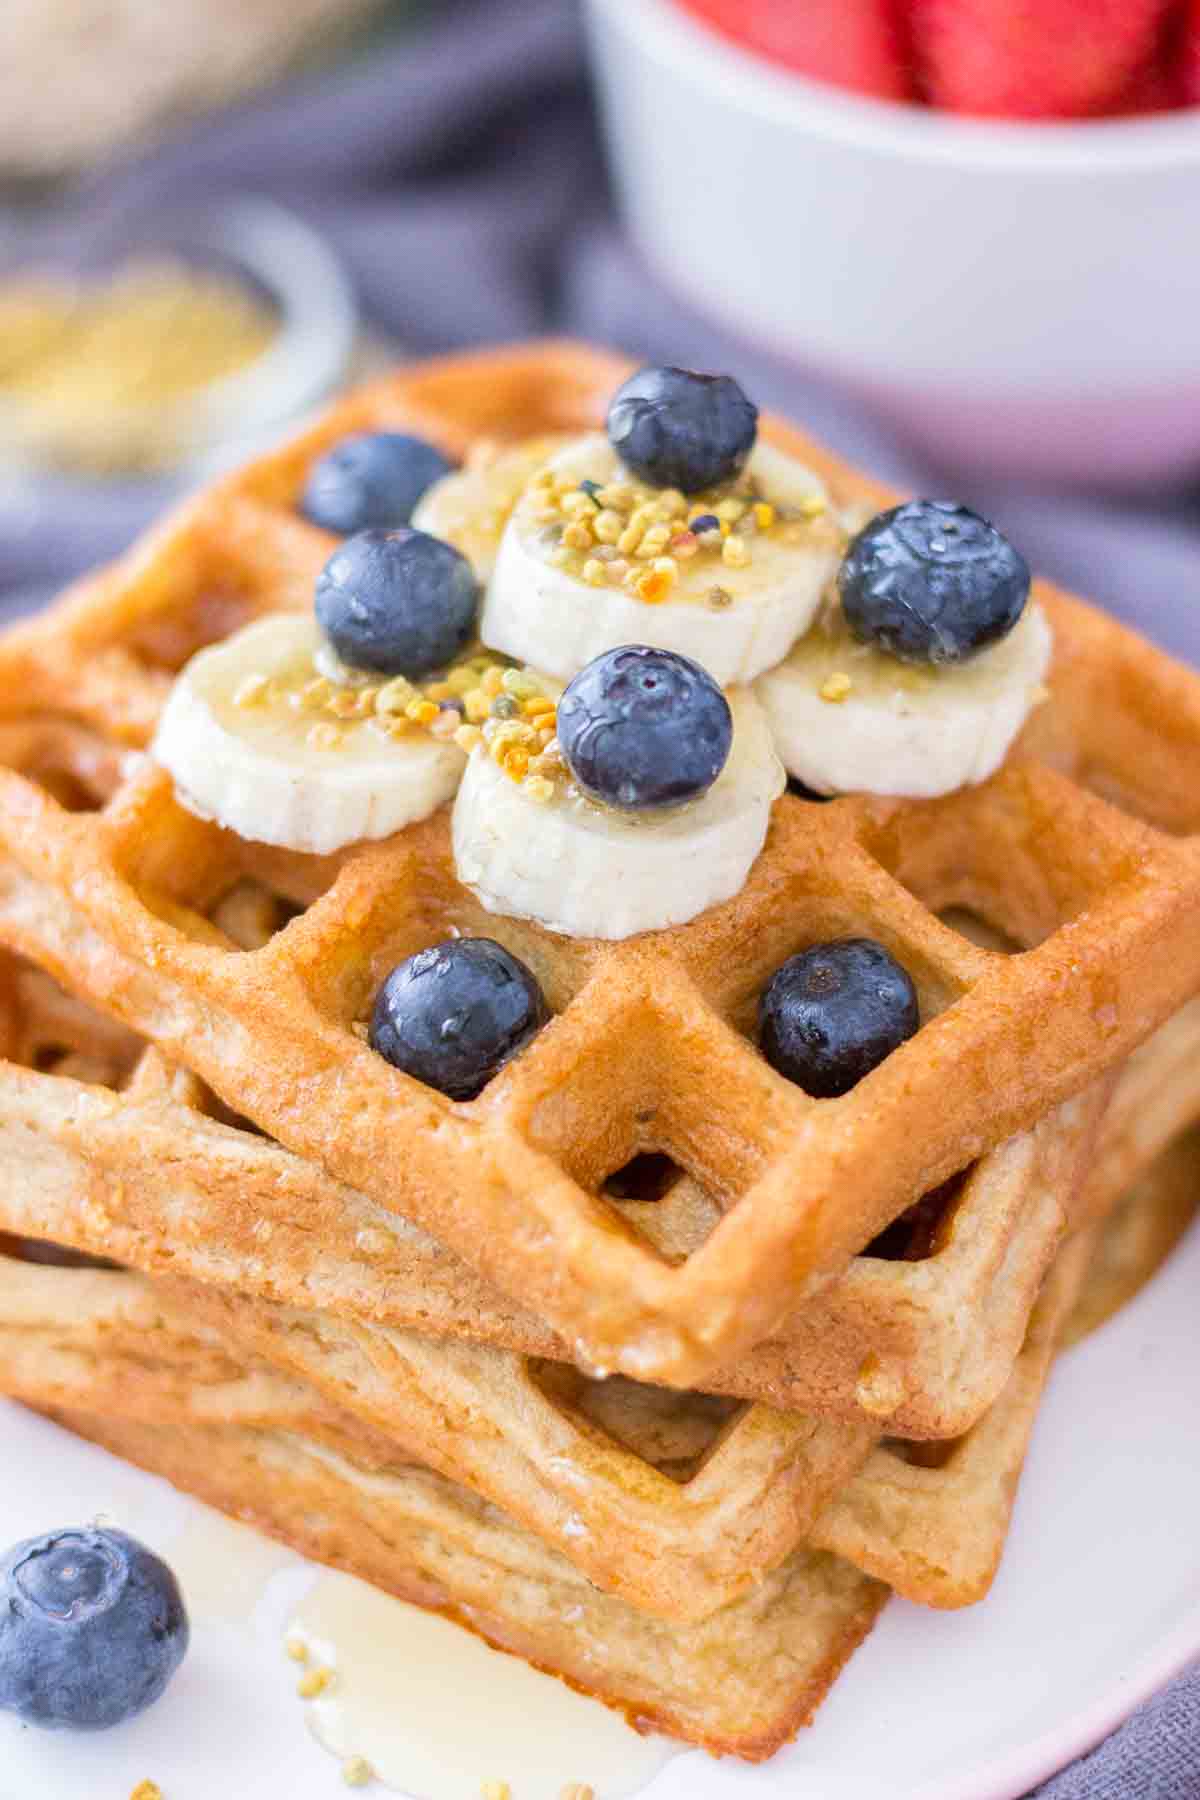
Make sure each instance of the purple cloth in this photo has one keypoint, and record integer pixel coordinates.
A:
(457, 171)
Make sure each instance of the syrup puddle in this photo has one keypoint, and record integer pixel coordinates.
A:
(437, 1714)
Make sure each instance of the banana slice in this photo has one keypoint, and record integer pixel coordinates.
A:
(848, 719)
(735, 611)
(589, 872)
(471, 507)
(247, 747)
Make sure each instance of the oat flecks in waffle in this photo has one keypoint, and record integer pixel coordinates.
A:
(648, 1051)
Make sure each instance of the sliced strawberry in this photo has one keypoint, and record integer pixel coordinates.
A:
(856, 44)
(1189, 56)
(1028, 59)
(1158, 86)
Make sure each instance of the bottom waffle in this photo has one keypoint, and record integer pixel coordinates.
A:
(121, 1361)
(740, 1682)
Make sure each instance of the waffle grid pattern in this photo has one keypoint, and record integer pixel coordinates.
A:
(115, 904)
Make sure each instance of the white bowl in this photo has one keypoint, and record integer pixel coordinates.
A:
(1021, 298)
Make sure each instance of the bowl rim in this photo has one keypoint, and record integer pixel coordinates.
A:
(672, 35)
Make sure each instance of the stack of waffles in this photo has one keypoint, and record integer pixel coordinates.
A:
(644, 1365)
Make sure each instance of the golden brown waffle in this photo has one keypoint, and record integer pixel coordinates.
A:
(147, 1175)
(649, 1051)
(638, 1487)
(658, 1509)
(115, 1343)
(679, 1531)
(1152, 1215)
(125, 1350)
(676, 1502)
(739, 1683)
(932, 1521)
(580, 1462)
(152, 1179)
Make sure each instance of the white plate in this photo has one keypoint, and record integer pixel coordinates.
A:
(1097, 1604)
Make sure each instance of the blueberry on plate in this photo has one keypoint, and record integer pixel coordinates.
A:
(641, 729)
(397, 602)
(92, 1628)
(932, 582)
(372, 478)
(454, 1014)
(830, 1015)
(677, 429)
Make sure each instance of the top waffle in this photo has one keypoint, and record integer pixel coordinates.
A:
(1078, 850)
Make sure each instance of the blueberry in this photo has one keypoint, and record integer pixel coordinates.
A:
(831, 1014)
(677, 429)
(642, 728)
(92, 1628)
(705, 522)
(399, 602)
(453, 1015)
(373, 478)
(932, 582)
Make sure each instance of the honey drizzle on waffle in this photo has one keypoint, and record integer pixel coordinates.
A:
(646, 1051)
